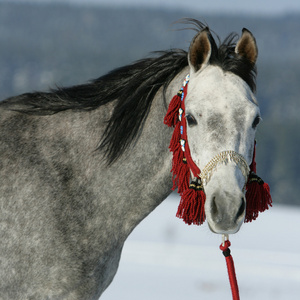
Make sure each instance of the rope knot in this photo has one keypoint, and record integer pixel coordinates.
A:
(225, 245)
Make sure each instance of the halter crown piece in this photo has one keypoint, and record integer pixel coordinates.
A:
(188, 178)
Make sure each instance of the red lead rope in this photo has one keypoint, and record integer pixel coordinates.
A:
(230, 268)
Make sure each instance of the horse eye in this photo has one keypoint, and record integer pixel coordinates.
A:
(191, 120)
(256, 121)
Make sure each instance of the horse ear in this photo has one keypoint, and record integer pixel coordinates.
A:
(200, 50)
(246, 46)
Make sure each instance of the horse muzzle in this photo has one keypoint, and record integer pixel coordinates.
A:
(224, 179)
(225, 212)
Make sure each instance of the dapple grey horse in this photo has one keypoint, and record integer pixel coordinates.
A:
(82, 166)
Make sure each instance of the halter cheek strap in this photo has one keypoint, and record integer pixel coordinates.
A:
(183, 132)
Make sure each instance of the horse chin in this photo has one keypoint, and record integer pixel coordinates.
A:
(216, 228)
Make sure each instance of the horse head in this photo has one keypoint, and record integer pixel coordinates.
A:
(222, 115)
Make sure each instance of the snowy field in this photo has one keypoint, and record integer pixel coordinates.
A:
(167, 259)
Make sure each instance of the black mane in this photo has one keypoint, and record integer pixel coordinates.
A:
(133, 87)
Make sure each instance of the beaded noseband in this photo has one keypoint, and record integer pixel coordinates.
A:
(224, 157)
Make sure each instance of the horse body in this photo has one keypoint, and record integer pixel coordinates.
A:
(67, 207)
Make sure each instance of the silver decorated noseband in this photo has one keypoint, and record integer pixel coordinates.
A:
(224, 158)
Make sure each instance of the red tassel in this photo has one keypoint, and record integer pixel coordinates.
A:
(191, 206)
(171, 118)
(175, 140)
(253, 164)
(258, 197)
(183, 174)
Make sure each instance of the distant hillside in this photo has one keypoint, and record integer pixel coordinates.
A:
(44, 45)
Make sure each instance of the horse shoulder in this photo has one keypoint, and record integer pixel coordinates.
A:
(51, 206)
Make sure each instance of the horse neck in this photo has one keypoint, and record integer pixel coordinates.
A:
(143, 172)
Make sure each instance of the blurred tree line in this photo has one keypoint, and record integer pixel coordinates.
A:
(43, 45)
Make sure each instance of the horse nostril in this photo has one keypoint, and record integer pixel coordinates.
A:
(214, 209)
(241, 209)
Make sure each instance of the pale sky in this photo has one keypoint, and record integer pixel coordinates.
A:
(227, 6)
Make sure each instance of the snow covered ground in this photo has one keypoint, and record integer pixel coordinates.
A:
(167, 259)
